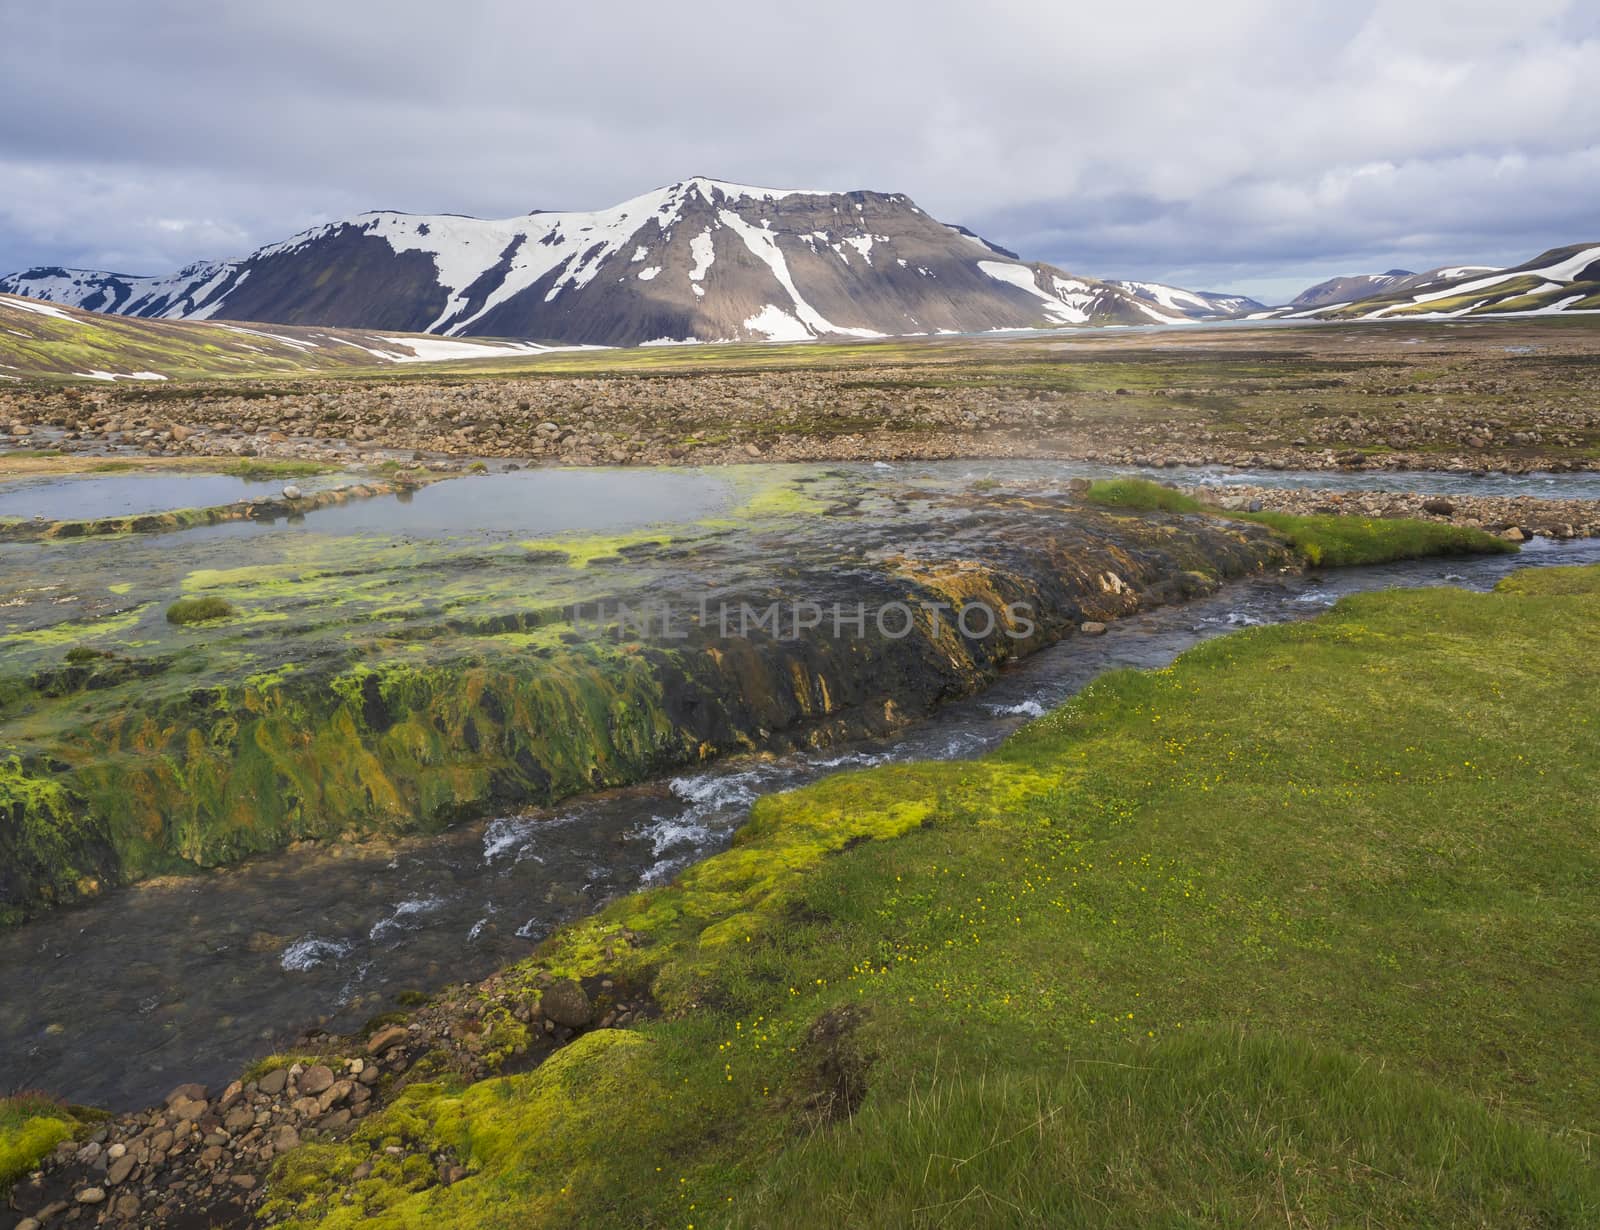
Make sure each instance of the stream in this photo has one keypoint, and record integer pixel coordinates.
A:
(114, 1002)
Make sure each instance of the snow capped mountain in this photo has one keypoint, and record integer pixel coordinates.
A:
(701, 260)
(1168, 303)
(1560, 280)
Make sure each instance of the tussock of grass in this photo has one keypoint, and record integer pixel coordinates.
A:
(199, 610)
(256, 467)
(30, 1127)
(1139, 494)
(1291, 932)
(1322, 541)
(1336, 542)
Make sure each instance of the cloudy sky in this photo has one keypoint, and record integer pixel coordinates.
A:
(1248, 145)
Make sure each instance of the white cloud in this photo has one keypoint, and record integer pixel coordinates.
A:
(1231, 140)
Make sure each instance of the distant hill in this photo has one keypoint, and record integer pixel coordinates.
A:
(1349, 289)
(47, 341)
(1560, 280)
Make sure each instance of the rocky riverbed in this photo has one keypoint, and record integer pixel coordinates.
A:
(202, 1157)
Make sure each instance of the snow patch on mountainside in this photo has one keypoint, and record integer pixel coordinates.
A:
(763, 245)
(1560, 273)
(777, 325)
(1070, 305)
(28, 305)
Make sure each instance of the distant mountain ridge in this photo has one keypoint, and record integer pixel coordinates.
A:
(1563, 279)
(701, 260)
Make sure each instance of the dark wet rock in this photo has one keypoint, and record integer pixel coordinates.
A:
(1438, 506)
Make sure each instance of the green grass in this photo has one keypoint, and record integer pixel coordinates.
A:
(1322, 541)
(1139, 495)
(260, 468)
(1336, 542)
(199, 610)
(1300, 931)
(30, 1127)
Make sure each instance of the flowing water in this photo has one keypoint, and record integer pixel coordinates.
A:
(115, 1001)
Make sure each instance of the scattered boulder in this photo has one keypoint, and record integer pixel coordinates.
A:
(384, 1039)
(315, 1079)
(273, 1082)
(567, 1004)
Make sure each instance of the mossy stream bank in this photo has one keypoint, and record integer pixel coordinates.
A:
(381, 684)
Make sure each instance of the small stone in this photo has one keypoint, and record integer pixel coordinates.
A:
(119, 1170)
(291, 492)
(385, 1038)
(92, 1195)
(315, 1079)
(245, 1181)
(566, 1003)
(28, 1223)
(186, 1093)
(1092, 627)
(1439, 507)
(284, 1139)
(363, 1171)
(273, 1082)
(230, 1095)
(126, 1206)
(188, 1109)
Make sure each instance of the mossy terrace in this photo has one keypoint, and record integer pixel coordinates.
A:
(375, 685)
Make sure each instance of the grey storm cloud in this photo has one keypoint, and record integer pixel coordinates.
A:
(1239, 144)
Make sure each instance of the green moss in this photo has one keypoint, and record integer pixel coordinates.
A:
(30, 1128)
(554, 1127)
(199, 610)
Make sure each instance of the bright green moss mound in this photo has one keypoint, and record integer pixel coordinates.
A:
(1300, 930)
(1337, 542)
(30, 1128)
(199, 610)
(1139, 494)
